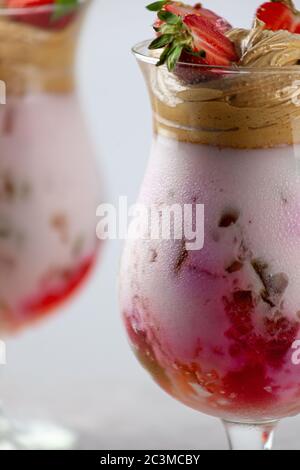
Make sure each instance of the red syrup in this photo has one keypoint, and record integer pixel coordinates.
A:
(259, 362)
(53, 294)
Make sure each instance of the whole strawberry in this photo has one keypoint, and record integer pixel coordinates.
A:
(57, 16)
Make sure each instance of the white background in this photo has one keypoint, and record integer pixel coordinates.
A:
(77, 367)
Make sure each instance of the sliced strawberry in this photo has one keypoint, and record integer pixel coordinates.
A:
(218, 49)
(279, 16)
(43, 18)
(190, 38)
(221, 23)
(182, 10)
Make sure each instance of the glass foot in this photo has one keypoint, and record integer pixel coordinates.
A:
(34, 435)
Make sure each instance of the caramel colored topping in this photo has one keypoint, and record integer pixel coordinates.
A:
(240, 110)
(255, 106)
(36, 59)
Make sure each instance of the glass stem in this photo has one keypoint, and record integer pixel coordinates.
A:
(242, 436)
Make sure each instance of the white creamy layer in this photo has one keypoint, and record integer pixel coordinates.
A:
(49, 191)
(263, 188)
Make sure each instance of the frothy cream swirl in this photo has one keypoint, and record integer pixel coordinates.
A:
(263, 48)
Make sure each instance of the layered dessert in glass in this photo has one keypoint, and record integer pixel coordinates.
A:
(217, 328)
(49, 181)
(49, 184)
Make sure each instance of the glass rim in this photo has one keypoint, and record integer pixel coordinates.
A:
(51, 7)
(143, 54)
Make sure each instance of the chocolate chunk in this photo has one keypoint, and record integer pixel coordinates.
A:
(260, 268)
(284, 198)
(183, 255)
(274, 284)
(229, 218)
(59, 222)
(265, 297)
(234, 267)
(153, 256)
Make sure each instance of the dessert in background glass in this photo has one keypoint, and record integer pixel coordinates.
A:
(218, 328)
(49, 183)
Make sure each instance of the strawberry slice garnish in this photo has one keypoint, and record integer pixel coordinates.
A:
(279, 15)
(217, 48)
(183, 10)
(193, 38)
(58, 16)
